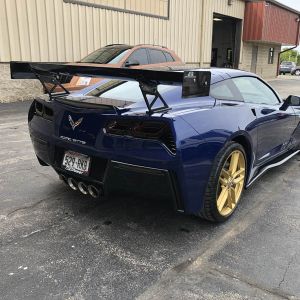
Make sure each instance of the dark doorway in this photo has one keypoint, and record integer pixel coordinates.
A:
(254, 59)
(226, 41)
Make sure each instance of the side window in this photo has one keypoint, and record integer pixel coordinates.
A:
(225, 90)
(168, 56)
(140, 55)
(157, 56)
(255, 91)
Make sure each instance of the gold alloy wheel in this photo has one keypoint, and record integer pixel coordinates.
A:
(231, 183)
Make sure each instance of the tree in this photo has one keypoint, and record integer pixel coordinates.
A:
(291, 55)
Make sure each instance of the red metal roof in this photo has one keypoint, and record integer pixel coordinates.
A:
(267, 21)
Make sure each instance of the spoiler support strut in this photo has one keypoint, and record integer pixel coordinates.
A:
(52, 79)
(150, 89)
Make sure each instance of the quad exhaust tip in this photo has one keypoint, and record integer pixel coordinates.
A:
(72, 184)
(81, 186)
(93, 191)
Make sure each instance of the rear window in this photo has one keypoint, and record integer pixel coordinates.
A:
(157, 56)
(106, 55)
(124, 90)
(168, 56)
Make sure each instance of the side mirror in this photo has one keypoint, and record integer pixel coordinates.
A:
(130, 63)
(290, 101)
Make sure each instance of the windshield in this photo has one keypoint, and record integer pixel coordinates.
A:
(287, 63)
(106, 55)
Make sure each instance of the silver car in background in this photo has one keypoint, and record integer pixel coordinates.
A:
(286, 67)
(296, 71)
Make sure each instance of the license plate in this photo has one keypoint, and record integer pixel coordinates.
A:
(76, 162)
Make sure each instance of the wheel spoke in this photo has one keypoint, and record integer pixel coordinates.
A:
(225, 173)
(223, 181)
(222, 198)
(232, 197)
(234, 162)
(239, 179)
(237, 173)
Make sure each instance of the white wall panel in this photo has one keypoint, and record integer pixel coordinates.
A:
(52, 30)
(5, 54)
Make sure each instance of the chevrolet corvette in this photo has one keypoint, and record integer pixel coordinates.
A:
(197, 136)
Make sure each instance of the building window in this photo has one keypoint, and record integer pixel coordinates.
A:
(153, 8)
(271, 56)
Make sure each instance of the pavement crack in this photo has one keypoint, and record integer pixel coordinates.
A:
(276, 293)
(33, 205)
(286, 270)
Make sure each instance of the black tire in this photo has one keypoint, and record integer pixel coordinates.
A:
(210, 211)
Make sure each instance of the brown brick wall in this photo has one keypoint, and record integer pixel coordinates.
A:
(263, 68)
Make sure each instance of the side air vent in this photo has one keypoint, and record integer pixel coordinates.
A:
(43, 110)
(154, 130)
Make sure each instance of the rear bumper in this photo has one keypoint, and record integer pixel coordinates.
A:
(112, 175)
(285, 70)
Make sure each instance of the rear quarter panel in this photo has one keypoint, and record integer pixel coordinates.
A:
(214, 127)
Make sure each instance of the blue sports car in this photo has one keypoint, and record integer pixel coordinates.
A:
(196, 137)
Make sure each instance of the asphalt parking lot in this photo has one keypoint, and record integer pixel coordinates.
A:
(58, 244)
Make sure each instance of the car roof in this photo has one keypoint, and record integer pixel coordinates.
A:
(126, 46)
(217, 74)
(121, 46)
(226, 73)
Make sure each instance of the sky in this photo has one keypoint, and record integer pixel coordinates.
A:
(293, 4)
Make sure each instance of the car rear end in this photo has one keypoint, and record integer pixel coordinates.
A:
(97, 151)
(286, 67)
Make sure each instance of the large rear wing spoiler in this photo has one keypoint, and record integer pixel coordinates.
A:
(194, 83)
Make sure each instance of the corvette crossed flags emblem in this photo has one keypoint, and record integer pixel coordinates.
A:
(74, 124)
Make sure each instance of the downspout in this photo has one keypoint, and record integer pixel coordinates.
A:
(297, 43)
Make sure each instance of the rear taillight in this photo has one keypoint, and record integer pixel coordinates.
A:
(154, 130)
